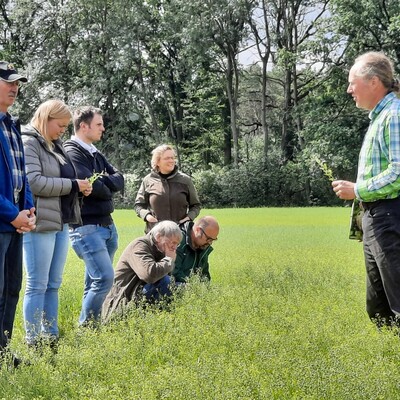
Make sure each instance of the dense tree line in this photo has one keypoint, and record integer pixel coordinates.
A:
(170, 71)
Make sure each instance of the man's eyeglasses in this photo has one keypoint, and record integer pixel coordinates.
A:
(209, 238)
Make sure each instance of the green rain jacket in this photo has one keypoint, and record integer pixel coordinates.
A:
(189, 261)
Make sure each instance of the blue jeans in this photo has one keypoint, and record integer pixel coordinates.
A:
(10, 282)
(154, 291)
(96, 246)
(45, 254)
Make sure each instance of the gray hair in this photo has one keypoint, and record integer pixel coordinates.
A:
(375, 63)
(166, 229)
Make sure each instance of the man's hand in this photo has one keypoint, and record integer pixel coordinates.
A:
(25, 221)
(168, 246)
(170, 253)
(344, 189)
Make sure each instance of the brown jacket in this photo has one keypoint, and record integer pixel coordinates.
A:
(172, 198)
(140, 263)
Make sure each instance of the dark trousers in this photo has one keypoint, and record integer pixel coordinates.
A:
(10, 282)
(381, 238)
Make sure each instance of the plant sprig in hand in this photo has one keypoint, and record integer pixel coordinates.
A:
(95, 176)
(325, 169)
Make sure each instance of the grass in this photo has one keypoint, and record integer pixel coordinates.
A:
(283, 318)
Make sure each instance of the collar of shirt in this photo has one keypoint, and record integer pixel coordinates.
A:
(381, 105)
(6, 119)
(89, 147)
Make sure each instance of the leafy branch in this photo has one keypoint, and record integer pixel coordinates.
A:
(95, 176)
(325, 169)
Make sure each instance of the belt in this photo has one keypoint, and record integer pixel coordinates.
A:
(368, 205)
(73, 227)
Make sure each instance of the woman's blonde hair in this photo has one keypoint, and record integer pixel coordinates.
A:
(50, 109)
(158, 152)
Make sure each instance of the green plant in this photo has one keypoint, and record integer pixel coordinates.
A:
(95, 176)
(283, 318)
(325, 169)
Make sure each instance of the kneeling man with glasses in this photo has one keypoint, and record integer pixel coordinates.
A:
(194, 249)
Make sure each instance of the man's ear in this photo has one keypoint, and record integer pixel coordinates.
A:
(375, 81)
(196, 230)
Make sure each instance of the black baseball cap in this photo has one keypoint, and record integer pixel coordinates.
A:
(9, 73)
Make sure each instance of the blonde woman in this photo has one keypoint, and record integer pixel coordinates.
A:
(166, 193)
(53, 182)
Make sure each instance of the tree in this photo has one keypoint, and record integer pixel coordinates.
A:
(222, 26)
(368, 25)
(260, 26)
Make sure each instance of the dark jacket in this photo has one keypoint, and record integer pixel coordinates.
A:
(43, 171)
(141, 262)
(98, 206)
(8, 209)
(188, 260)
(172, 198)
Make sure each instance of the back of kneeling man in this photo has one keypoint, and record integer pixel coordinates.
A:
(146, 262)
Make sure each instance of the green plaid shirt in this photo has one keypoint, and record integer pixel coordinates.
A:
(378, 174)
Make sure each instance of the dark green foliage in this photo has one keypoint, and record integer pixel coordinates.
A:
(171, 72)
(258, 184)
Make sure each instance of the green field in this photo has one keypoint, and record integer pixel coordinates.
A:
(283, 318)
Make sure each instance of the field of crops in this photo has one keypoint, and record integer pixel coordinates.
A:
(283, 318)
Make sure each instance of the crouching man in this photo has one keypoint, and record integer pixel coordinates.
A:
(143, 268)
(192, 253)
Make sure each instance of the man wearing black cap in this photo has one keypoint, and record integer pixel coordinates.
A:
(16, 211)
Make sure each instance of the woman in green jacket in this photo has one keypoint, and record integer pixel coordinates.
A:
(166, 193)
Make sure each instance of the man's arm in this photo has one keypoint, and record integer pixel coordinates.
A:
(85, 168)
(112, 178)
(387, 181)
(140, 258)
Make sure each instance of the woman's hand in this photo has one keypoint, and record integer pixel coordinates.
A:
(184, 220)
(151, 219)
